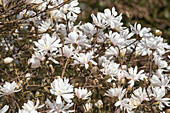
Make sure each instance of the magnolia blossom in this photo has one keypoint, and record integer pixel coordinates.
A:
(8, 88)
(115, 38)
(75, 38)
(123, 103)
(101, 60)
(82, 93)
(112, 51)
(112, 19)
(134, 103)
(134, 76)
(84, 59)
(161, 81)
(62, 88)
(110, 68)
(58, 108)
(71, 7)
(68, 51)
(99, 21)
(159, 93)
(160, 62)
(44, 26)
(4, 109)
(30, 107)
(89, 29)
(35, 60)
(142, 32)
(115, 92)
(47, 44)
(140, 95)
(152, 45)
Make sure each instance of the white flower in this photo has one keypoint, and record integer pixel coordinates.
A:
(159, 93)
(123, 103)
(36, 58)
(82, 93)
(99, 21)
(101, 38)
(110, 68)
(159, 62)
(8, 88)
(8, 60)
(71, 7)
(68, 51)
(160, 81)
(134, 103)
(58, 108)
(61, 28)
(115, 92)
(152, 44)
(30, 107)
(140, 95)
(89, 29)
(47, 44)
(112, 19)
(134, 76)
(144, 32)
(116, 39)
(101, 60)
(76, 38)
(84, 59)
(62, 88)
(69, 10)
(88, 106)
(4, 109)
(99, 104)
(112, 51)
(44, 26)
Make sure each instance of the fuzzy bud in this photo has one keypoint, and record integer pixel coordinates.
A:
(8, 60)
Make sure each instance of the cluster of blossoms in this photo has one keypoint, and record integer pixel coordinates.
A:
(130, 66)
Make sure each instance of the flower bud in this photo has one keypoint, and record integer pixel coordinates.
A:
(158, 32)
(122, 52)
(8, 60)
(28, 76)
(99, 104)
(136, 53)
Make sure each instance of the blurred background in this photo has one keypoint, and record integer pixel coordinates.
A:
(149, 13)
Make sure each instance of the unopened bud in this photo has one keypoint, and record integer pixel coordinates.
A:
(122, 52)
(127, 14)
(158, 32)
(123, 81)
(8, 60)
(99, 104)
(47, 62)
(28, 76)
(51, 67)
(30, 41)
(94, 69)
(46, 89)
(136, 53)
(76, 84)
(37, 94)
